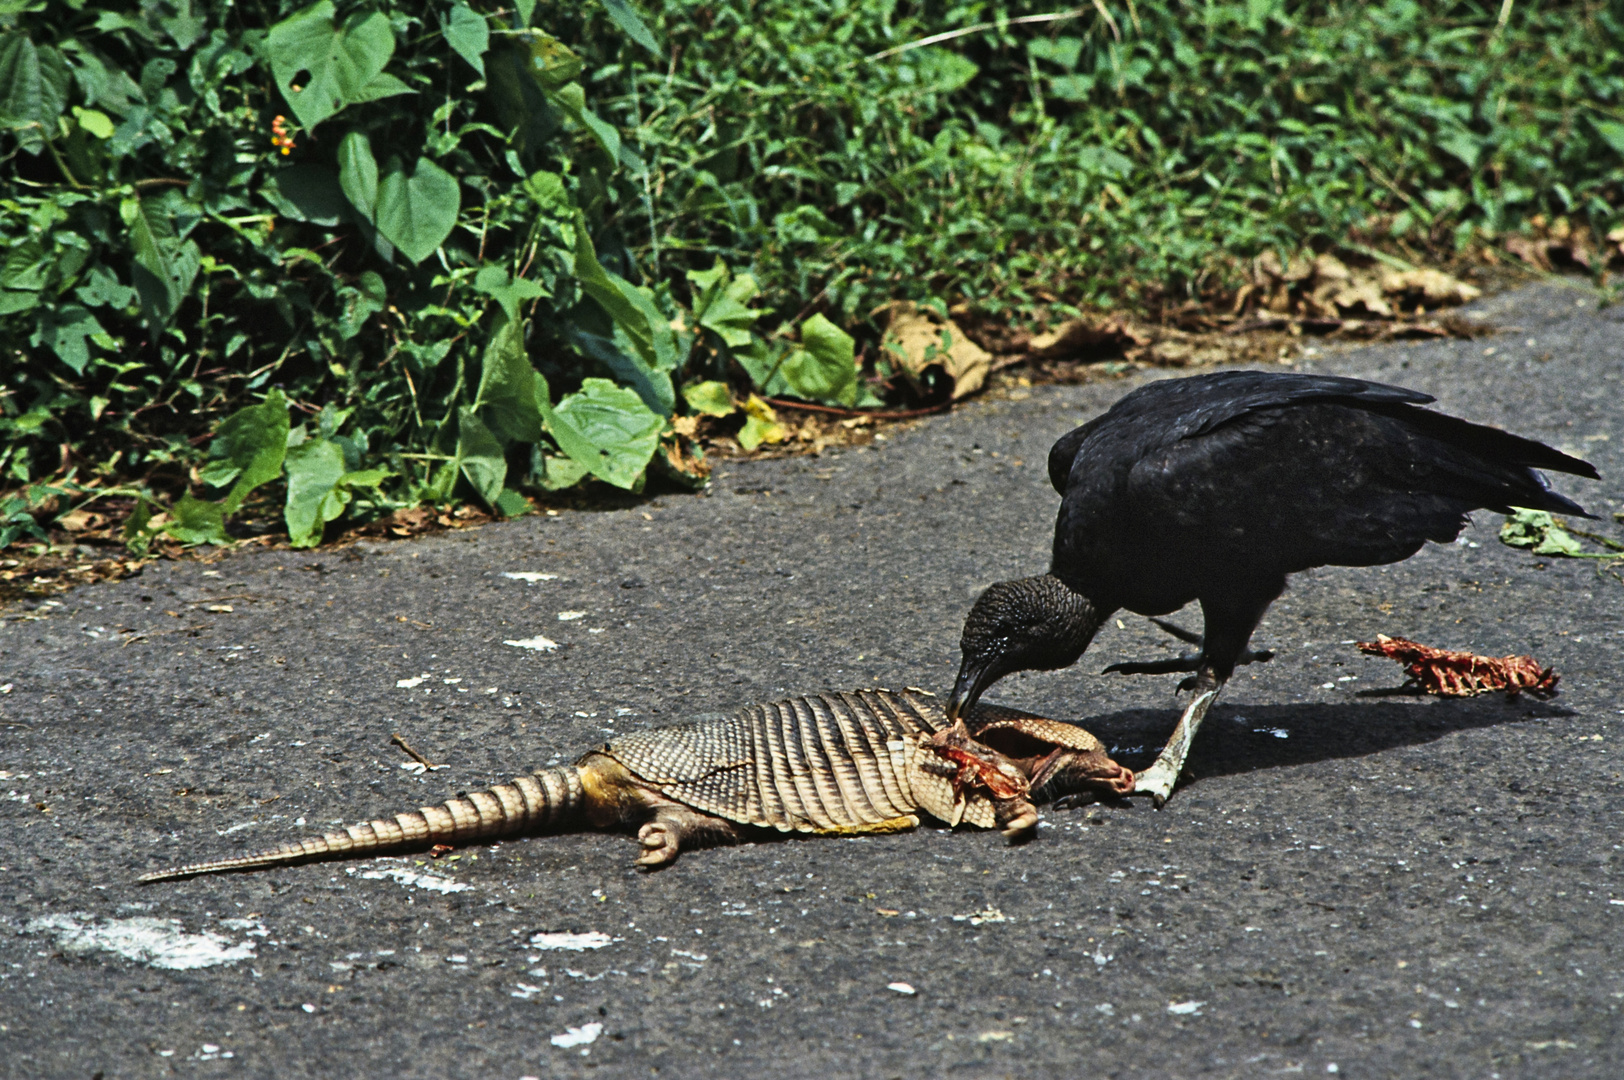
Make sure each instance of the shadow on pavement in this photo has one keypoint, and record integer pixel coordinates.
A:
(1243, 739)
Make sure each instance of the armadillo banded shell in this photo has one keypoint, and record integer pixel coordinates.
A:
(837, 762)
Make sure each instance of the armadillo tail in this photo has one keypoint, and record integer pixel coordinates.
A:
(550, 798)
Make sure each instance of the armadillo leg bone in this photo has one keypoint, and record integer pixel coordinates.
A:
(676, 827)
(1158, 780)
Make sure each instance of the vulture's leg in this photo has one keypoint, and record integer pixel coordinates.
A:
(1158, 780)
(1187, 662)
(1229, 625)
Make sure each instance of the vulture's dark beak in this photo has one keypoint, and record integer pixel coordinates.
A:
(973, 679)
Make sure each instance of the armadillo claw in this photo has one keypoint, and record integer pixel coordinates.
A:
(1024, 821)
(659, 842)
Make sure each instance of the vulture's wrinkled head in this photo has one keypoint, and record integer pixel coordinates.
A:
(1033, 624)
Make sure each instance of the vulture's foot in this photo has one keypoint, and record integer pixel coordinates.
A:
(1158, 780)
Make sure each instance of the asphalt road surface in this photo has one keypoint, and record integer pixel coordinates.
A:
(1366, 886)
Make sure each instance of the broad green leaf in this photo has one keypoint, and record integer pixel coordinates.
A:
(467, 33)
(824, 368)
(761, 425)
(248, 447)
(368, 478)
(762, 361)
(711, 398)
(548, 191)
(604, 427)
(94, 121)
(558, 473)
(102, 288)
(64, 331)
(479, 453)
(196, 521)
(21, 89)
(572, 99)
(163, 269)
(630, 309)
(1612, 131)
(707, 284)
(15, 300)
(380, 86)
(314, 468)
(358, 174)
(1537, 530)
(332, 65)
(367, 298)
(1460, 144)
(628, 20)
(506, 400)
(511, 504)
(728, 313)
(136, 535)
(510, 292)
(552, 63)
(417, 212)
(620, 355)
(34, 85)
(312, 193)
(24, 266)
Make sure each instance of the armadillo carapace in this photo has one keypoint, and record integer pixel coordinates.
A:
(830, 764)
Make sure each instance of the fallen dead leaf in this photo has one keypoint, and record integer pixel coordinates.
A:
(919, 338)
(1429, 287)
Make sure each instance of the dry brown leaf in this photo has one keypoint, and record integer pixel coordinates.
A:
(1179, 350)
(1087, 337)
(81, 520)
(1529, 251)
(1434, 288)
(914, 337)
(1361, 292)
(1268, 268)
(1328, 268)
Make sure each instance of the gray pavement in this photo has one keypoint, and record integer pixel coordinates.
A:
(1360, 886)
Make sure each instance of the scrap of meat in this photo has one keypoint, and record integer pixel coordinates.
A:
(1462, 674)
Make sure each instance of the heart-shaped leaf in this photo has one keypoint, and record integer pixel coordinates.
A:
(466, 32)
(417, 212)
(331, 65)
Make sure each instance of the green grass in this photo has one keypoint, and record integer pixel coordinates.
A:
(166, 265)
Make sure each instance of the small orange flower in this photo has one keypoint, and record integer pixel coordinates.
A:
(279, 135)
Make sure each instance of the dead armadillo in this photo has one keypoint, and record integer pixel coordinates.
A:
(826, 764)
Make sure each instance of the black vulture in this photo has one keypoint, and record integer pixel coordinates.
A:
(1214, 488)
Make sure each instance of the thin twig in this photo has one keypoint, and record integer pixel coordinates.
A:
(1500, 23)
(419, 758)
(949, 35)
(1116, 31)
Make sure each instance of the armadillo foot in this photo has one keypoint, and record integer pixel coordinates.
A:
(676, 827)
(660, 841)
(1023, 820)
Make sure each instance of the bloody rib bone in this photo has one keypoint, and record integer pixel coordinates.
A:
(1462, 674)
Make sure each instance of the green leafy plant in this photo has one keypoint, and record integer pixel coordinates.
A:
(473, 248)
